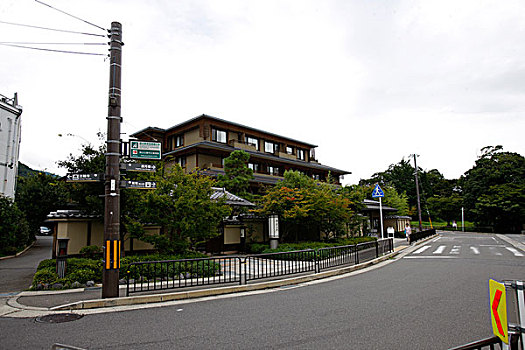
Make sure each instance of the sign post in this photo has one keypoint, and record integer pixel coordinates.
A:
(378, 193)
(498, 310)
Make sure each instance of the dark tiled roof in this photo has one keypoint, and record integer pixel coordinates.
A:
(71, 214)
(231, 199)
(202, 116)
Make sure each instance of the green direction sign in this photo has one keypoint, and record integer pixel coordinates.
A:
(145, 150)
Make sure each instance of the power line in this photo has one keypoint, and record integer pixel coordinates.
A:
(35, 43)
(51, 50)
(68, 14)
(52, 29)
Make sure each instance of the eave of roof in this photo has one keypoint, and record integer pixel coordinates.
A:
(228, 148)
(205, 116)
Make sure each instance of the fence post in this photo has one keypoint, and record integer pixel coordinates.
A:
(356, 254)
(127, 280)
(316, 261)
(377, 249)
(242, 274)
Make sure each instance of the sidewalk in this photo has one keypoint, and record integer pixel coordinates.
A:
(89, 298)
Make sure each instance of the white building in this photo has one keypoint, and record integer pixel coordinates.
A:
(10, 113)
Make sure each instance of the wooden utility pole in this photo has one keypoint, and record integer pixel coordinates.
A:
(417, 194)
(110, 278)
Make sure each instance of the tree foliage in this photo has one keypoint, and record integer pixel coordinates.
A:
(37, 195)
(237, 175)
(14, 230)
(302, 202)
(493, 189)
(183, 207)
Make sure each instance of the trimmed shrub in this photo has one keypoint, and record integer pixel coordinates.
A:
(47, 275)
(91, 252)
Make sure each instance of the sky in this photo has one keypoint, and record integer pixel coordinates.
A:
(369, 82)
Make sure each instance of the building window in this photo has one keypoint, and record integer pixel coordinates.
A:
(300, 154)
(271, 147)
(181, 161)
(316, 177)
(219, 135)
(289, 150)
(273, 171)
(254, 167)
(252, 141)
(179, 140)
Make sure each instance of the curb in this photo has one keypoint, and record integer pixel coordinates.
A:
(173, 296)
(20, 253)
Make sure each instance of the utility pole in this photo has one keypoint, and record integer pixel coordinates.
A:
(110, 278)
(417, 194)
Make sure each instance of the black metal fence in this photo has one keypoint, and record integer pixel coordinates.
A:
(416, 236)
(170, 274)
(279, 264)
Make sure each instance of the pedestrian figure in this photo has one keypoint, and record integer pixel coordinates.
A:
(454, 225)
(408, 231)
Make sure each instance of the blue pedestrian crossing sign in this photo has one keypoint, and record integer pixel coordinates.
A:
(378, 192)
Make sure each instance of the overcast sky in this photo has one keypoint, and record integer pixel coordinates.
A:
(369, 82)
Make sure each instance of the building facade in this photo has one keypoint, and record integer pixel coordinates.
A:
(204, 142)
(10, 127)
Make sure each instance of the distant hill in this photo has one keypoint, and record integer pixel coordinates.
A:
(25, 171)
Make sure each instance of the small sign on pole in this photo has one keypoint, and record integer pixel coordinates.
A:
(84, 177)
(138, 185)
(378, 193)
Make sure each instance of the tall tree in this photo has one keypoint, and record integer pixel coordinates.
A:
(14, 230)
(491, 189)
(237, 175)
(37, 195)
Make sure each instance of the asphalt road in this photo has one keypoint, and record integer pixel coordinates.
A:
(16, 274)
(426, 300)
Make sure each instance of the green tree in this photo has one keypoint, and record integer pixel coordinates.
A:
(37, 195)
(491, 189)
(14, 230)
(183, 206)
(447, 208)
(91, 160)
(304, 204)
(237, 175)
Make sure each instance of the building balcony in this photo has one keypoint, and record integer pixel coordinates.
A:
(242, 145)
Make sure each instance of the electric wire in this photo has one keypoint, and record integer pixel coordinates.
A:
(51, 50)
(68, 14)
(52, 29)
(36, 43)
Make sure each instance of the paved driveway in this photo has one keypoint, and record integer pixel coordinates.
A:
(16, 274)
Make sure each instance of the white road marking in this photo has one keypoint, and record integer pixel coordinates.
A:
(430, 257)
(421, 250)
(493, 250)
(435, 240)
(455, 250)
(440, 250)
(475, 250)
(514, 251)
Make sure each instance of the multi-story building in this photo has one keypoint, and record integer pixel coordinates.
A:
(204, 142)
(10, 113)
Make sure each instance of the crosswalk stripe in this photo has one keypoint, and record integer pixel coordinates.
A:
(514, 251)
(440, 249)
(494, 251)
(421, 250)
(474, 250)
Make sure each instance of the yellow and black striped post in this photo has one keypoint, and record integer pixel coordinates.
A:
(112, 254)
